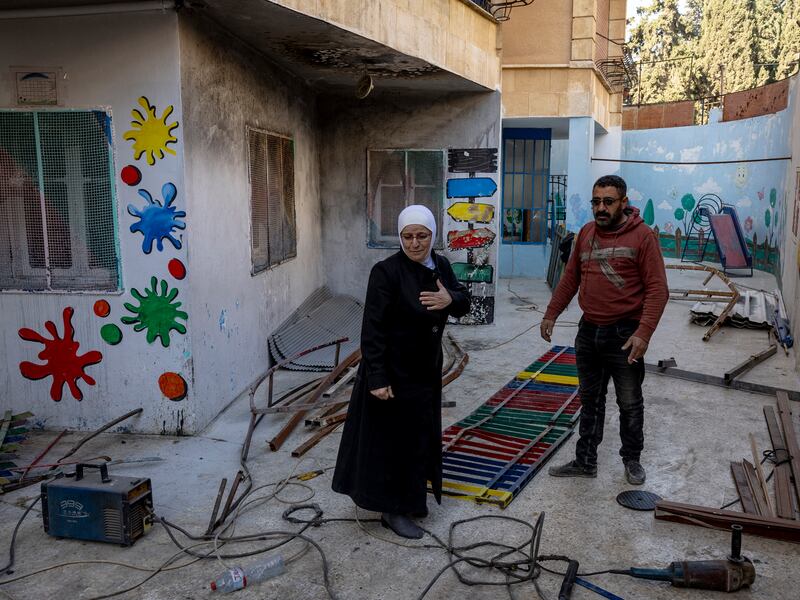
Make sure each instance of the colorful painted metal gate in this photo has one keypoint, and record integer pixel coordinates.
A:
(490, 455)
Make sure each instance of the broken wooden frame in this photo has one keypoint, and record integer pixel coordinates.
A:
(731, 297)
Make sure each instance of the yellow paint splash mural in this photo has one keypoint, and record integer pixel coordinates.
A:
(151, 135)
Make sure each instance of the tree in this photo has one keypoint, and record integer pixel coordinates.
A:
(789, 45)
(659, 42)
(727, 51)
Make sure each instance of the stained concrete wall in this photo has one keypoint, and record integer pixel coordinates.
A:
(539, 33)
(790, 272)
(108, 62)
(350, 128)
(452, 34)
(225, 89)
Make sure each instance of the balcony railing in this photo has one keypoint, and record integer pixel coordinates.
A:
(500, 10)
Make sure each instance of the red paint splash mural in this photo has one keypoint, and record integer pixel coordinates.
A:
(61, 358)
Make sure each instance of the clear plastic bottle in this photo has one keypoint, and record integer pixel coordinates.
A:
(238, 578)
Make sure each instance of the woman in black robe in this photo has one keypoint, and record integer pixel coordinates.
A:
(392, 440)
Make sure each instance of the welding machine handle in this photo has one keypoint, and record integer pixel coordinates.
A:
(103, 471)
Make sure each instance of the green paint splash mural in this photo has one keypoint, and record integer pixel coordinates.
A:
(156, 313)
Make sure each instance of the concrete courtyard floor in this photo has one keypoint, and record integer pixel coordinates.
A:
(692, 432)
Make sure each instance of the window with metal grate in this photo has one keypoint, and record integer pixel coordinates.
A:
(398, 178)
(57, 205)
(273, 234)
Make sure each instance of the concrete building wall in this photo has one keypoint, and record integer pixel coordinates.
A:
(225, 89)
(452, 34)
(350, 128)
(107, 62)
(538, 34)
(790, 271)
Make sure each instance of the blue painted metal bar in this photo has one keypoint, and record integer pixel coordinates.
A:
(597, 589)
(472, 187)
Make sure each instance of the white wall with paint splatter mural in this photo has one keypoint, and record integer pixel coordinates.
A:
(92, 272)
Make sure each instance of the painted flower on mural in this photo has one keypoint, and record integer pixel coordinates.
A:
(748, 224)
(157, 221)
(151, 135)
(669, 227)
(760, 195)
(61, 358)
(156, 313)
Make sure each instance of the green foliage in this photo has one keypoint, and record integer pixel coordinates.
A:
(767, 217)
(679, 214)
(649, 215)
(687, 201)
(773, 197)
(712, 46)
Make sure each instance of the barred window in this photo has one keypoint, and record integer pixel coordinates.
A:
(273, 234)
(57, 206)
(398, 178)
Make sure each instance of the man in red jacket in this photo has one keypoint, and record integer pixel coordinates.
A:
(618, 272)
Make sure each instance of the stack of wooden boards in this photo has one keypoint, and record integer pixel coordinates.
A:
(762, 516)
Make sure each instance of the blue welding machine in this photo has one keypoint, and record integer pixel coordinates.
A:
(99, 508)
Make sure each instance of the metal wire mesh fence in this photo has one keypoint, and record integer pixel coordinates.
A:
(57, 201)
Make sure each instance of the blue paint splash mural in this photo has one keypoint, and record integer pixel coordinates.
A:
(157, 221)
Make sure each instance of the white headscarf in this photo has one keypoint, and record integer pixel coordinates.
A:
(417, 214)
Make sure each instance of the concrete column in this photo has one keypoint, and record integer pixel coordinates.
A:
(579, 171)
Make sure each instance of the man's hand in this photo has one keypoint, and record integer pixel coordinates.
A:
(546, 328)
(383, 393)
(436, 300)
(638, 347)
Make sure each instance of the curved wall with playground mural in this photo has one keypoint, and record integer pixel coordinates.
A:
(671, 171)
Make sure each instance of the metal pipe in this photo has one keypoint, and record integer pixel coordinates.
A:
(93, 9)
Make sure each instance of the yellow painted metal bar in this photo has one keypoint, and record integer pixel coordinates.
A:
(477, 493)
(547, 378)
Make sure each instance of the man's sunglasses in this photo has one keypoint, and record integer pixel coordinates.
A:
(606, 201)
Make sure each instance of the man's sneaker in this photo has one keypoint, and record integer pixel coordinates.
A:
(634, 472)
(573, 469)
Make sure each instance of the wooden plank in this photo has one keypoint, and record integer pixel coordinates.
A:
(751, 362)
(762, 481)
(755, 489)
(785, 416)
(769, 527)
(743, 489)
(784, 505)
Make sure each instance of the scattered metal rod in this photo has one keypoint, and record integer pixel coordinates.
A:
(333, 419)
(97, 432)
(351, 372)
(736, 384)
(769, 527)
(751, 362)
(276, 442)
(755, 489)
(313, 440)
(213, 521)
(745, 493)
(784, 504)
(325, 414)
(456, 373)
(229, 501)
(42, 454)
(785, 417)
(762, 481)
(733, 295)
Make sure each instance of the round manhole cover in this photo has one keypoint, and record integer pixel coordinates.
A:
(638, 499)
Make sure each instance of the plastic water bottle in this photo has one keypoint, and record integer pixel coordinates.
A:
(238, 578)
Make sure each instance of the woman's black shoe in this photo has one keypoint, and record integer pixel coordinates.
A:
(402, 526)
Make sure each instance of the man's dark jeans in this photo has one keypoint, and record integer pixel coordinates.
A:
(600, 356)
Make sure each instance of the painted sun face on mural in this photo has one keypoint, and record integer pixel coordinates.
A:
(61, 359)
(741, 176)
(157, 222)
(151, 136)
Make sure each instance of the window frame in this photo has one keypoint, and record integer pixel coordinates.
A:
(374, 207)
(79, 233)
(255, 268)
(525, 134)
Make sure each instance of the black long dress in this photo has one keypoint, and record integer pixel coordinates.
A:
(391, 448)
